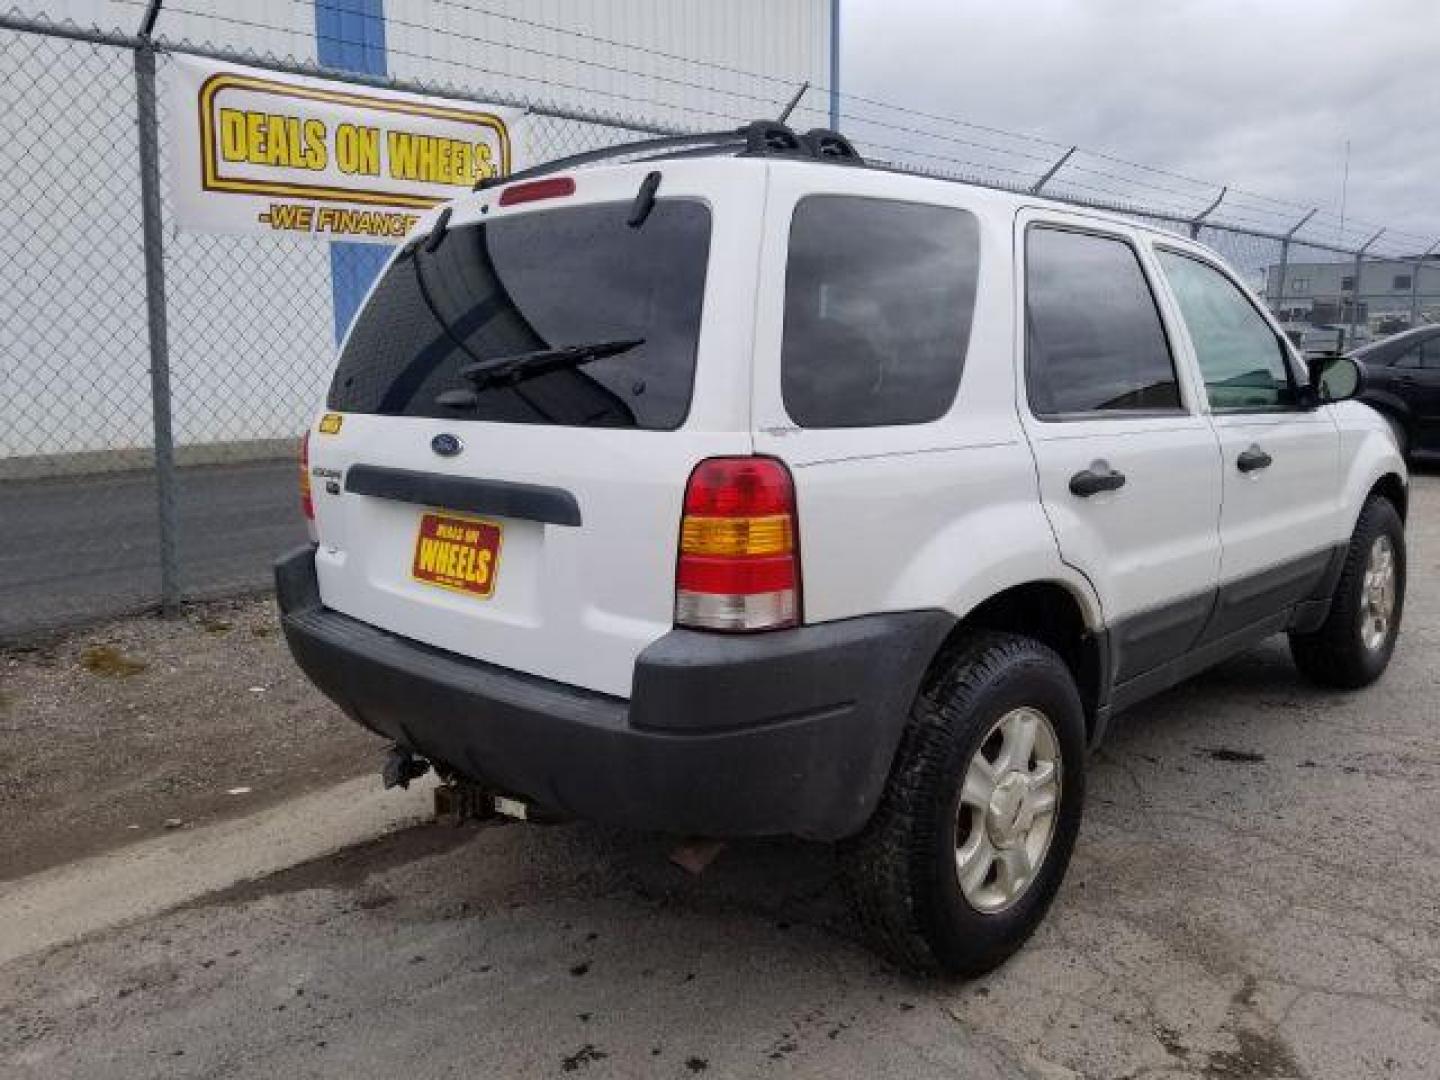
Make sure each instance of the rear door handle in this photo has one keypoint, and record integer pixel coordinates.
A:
(1253, 459)
(1099, 477)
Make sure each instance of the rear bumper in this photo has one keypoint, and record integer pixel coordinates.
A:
(790, 732)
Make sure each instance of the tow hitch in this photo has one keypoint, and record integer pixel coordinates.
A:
(458, 800)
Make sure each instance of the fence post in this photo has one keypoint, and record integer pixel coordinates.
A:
(1050, 172)
(1199, 219)
(1285, 260)
(148, 122)
(1415, 282)
(1278, 304)
(1355, 295)
(834, 65)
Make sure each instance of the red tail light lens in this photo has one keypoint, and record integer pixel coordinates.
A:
(307, 504)
(738, 567)
(555, 187)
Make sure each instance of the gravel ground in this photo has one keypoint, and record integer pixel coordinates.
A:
(1253, 896)
(107, 734)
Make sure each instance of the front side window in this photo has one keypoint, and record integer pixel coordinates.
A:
(879, 297)
(1094, 340)
(524, 287)
(1402, 281)
(1241, 360)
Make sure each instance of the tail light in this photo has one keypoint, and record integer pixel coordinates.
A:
(307, 504)
(738, 567)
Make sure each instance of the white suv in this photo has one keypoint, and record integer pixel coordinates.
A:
(760, 491)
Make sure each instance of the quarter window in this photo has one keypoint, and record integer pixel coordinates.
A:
(1094, 339)
(878, 301)
(1241, 359)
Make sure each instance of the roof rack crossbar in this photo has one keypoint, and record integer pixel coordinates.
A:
(757, 138)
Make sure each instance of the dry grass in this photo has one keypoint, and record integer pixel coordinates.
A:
(110, 662)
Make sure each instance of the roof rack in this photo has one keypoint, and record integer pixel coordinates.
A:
(759, 138)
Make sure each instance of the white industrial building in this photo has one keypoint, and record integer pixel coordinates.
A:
(252, 319)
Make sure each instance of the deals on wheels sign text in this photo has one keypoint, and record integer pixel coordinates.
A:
(260, 152)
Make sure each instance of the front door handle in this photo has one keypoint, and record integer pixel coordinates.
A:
(1099, 477)
(1253, 459)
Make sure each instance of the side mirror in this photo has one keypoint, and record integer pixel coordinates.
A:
(1336, 378)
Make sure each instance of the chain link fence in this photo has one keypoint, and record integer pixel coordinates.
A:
(152, 382)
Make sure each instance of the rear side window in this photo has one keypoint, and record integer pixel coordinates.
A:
(1240, 357)
(530, 283)
(879, 296)
(1094, 339)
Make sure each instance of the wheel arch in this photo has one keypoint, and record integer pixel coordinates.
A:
(1391, 486)
(1057, 615)
(1389, 405)
(1371, 464)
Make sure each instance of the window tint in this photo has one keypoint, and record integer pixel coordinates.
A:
(878, 301)
(537, 281)
(1241, 359)
(1094, 340)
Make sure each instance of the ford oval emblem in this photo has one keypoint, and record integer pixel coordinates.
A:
(446, 445)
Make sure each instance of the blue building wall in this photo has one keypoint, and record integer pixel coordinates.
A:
(350, 35)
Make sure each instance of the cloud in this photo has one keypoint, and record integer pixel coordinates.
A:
(1260, 96)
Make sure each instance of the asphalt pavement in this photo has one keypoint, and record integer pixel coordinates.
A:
(76, 549)
(1252, 897)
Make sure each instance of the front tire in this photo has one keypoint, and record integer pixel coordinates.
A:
(978, 819)
(1353, 646)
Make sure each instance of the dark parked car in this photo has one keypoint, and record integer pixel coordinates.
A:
(1403, 383)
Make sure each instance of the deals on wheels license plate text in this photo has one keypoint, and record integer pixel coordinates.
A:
(459, 553)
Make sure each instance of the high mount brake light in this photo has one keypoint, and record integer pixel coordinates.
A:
(307, 503)
(738, 567)
(554, 187)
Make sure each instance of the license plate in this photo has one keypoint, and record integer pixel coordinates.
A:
(459, 553)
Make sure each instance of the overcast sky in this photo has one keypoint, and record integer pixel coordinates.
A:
(1260, 95)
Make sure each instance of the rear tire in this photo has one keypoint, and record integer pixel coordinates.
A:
(974, 831)
(1353, 646)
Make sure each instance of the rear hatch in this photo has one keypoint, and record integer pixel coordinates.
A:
(525, 511)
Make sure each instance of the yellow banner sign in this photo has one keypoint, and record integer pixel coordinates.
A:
(260, 152)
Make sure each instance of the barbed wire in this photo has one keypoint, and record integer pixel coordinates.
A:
(1014, 167)
(846, 100)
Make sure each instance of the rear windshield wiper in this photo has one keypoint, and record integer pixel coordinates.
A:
(509, 370)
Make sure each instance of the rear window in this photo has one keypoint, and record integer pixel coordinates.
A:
(530, 283)
(878, 301)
